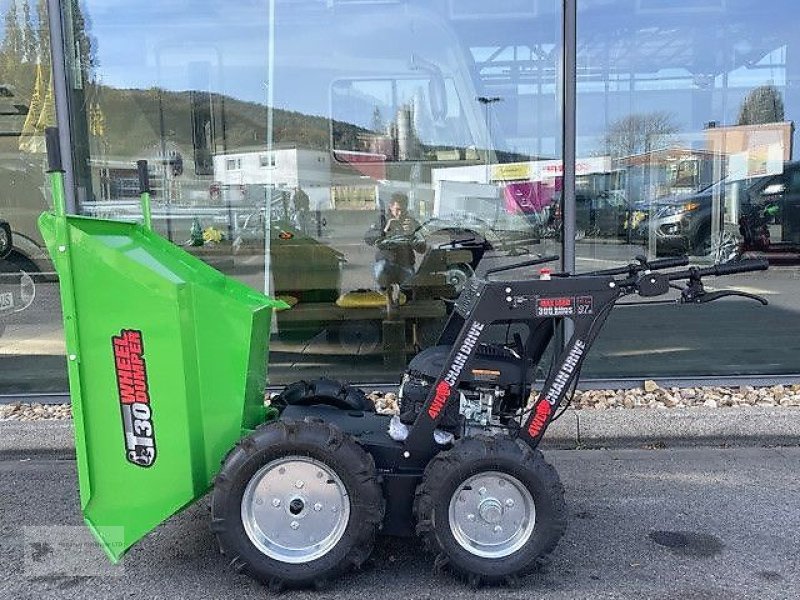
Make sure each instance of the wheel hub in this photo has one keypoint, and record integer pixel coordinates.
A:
(492, 514)
(295, 509)
(491, 511)
(296, 506)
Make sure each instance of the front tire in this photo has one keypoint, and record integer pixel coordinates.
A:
(491, 509)
(296, 503)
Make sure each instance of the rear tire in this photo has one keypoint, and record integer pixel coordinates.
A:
(296, 503)
(491, 509)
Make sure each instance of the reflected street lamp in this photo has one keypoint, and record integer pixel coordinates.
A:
(486, 101)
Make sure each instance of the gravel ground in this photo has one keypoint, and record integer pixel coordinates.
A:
(651, 395)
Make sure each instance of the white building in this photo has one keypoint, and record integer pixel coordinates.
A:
(281, 168)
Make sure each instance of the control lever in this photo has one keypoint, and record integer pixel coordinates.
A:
(695, 293)
(711, 296)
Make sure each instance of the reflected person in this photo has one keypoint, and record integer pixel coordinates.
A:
(300, 201)
(397, 240)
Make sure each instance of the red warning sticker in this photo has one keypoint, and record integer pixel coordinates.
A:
(563, 306)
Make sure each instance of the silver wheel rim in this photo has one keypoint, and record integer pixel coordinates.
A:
(492, 514)
(295, 509)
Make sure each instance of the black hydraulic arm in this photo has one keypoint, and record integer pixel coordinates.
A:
(567, 367)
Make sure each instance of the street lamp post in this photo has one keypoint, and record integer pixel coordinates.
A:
(486, 101)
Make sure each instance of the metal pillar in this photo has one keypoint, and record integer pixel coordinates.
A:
(58, 62)
(568, 133)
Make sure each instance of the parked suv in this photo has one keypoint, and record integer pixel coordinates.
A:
(770, 203)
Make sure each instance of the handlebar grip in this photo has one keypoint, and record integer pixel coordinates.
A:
(743, 266)
(668, 263)
(144, 176)
(53, 150)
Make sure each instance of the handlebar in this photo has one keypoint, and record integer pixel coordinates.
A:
(668, 263)
(645, 265)
(742, 266)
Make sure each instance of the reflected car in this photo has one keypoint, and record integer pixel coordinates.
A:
(683, 224)
(21, 202)
(601, 214)
(6, 239)
(512, 237)
(597, 214)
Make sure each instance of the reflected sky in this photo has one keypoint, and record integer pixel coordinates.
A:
(696, 59)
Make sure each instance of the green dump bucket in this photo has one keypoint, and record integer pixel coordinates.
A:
(167, 368)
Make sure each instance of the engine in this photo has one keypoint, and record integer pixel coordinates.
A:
(490, 391)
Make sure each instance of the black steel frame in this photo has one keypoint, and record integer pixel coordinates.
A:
(584, 300)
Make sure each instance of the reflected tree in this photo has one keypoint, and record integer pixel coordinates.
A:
(30, 41)
(43, 48)
(378, 126)
(762, 105)
(639, 133)
(11, 49)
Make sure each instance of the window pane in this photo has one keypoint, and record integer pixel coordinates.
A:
(426, 138)
(184, 90)
(31, 337)
(307, 126)
(691, 108)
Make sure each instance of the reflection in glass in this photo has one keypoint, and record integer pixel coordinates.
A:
(31, 350)
(427, 182)
(698, 134)
(278, 131)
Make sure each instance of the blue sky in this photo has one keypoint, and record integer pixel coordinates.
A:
(224, 46)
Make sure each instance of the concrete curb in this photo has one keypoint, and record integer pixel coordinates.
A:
(614, 428)
(696, 426)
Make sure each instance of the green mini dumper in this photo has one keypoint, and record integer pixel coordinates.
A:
(167, 369)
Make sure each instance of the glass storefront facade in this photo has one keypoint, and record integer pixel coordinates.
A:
(31, 340)
(694, 104)
(335, 152)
